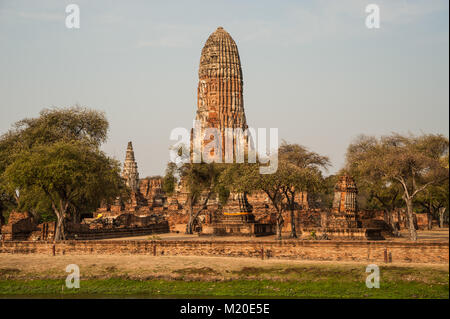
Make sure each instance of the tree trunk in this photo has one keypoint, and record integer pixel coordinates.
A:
(391, 222)
(192, 216)
(76, 216)
(280, 223)
(429, 220)
(386, 217)
(399, 219)
(189, 228)
(293, 227)
(410, 214)
(60, 233)
(441, 216)
(405, 219)
(190, 224)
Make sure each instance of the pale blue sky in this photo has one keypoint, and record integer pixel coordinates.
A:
(311, 68)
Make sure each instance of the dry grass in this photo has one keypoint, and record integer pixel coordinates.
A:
(120, 275)
(198, 268)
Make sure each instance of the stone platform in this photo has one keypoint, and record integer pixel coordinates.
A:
(236, 224)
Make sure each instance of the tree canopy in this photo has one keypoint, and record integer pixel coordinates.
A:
(53, 163)
(299, 170)
(413, 163)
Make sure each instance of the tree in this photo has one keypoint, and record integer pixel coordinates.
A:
(65, 173)
(246, 178)
(378, 193)
(52, 125)
(325, 197)
(33, 201)
(169, 181)
(387, 197)
(412, 162)
(8, 197)
(201, 181)
(302, 174)
(435, 202)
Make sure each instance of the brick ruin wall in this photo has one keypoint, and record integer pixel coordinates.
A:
(360, 251)
(22, 227)
(102, 233)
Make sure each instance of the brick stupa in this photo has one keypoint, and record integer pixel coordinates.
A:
(345, 205)
(342, 222)
(220, 105)
(130, 170)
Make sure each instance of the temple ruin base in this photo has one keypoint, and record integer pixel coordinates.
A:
(237, 224)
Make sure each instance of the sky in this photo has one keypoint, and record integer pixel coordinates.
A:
(312, 69)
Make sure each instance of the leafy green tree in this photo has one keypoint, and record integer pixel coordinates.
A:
(37, 141)
(380, 193)
(302, 169)
(6, 204)
(8, 197)
(32, 201)
(65, 173)
(52, 125)
(435, 201)
(246, 178)
(388, 198)
(298, 171)
(325, 197)
(201, 181)
(170, 180)
(414, 163)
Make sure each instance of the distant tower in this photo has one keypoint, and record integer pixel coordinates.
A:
(345, 193)
(130, 169)
(345, 206)
(220, 88)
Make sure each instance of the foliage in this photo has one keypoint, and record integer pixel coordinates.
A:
(169, 181)
(246, 178)
(412, 163)
(43, 162)
(302, 173)
(325, 197)
(65, 174)
(201, 181)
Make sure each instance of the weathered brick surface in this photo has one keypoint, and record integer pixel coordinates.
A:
(130, 171)
(220, 87)
(20, 225)
(363, 251)
(139, 227)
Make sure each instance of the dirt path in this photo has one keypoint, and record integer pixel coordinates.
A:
(437, 235)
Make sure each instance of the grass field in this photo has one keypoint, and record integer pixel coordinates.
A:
(327, 288)
(185, 277)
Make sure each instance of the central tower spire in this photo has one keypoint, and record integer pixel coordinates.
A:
(220, 101)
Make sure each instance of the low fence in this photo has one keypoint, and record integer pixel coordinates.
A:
(363, 251)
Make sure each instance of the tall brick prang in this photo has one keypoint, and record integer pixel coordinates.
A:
(220, 88)
(130, 170)
(345, 193)
(345, 206)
